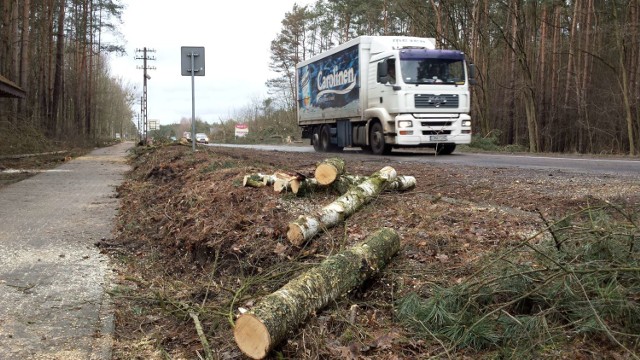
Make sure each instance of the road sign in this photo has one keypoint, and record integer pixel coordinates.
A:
(189, 52)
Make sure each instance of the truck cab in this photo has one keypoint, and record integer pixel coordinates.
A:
(426, 104)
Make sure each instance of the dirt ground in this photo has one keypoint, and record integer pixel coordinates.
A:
(191, 240)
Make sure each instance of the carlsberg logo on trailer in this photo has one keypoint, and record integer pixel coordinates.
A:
(337, 78)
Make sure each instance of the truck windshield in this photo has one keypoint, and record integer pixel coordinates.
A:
(432, 67)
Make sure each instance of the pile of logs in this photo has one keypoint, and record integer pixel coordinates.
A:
(264, 326)
(356, 191)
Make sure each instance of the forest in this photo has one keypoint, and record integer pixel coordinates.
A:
(53, 50)
(553, 76)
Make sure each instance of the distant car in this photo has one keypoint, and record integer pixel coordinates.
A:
(202, 138)
(173, 138)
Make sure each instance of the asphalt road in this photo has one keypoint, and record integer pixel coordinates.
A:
(579, 164)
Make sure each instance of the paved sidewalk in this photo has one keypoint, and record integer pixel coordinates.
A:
(52, 278)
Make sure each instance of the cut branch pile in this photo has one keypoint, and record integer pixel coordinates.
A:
(256, 332)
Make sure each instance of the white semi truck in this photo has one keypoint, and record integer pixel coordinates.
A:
(349, 97)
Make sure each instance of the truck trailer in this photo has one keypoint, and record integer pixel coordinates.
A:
(385, 92)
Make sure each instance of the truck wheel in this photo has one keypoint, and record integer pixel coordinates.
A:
(325, 139)
(315, 139)
(445, 149)
(376, 140)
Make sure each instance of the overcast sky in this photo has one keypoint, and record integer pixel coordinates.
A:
(236, 36)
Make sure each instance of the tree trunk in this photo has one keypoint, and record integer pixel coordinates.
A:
(329, 170)
(25, 50)
(267, 324)
(305, 227)
(622, 80)
(58, 90)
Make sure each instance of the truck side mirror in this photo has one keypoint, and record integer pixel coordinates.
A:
(382, 72)
(472, 74)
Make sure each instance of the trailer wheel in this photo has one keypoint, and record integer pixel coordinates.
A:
(376, 140)
(445, 149)
(325, 139)
(315, 139)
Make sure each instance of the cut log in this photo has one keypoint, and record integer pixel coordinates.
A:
(307, 226)
(329, 170)
(345, 182)
(257, 331)
(304, 186)
(282, 182)
(254, 180)
(281, 185)
(402, 183)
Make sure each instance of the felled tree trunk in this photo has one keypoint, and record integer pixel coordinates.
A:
(345, 182)
(329, 170)
(256, 332)
(307, 226)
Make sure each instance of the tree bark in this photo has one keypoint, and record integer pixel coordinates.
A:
(329, 170)
(306, 227)
(259, 330)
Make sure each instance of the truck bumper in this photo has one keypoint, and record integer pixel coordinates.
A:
(429, 130)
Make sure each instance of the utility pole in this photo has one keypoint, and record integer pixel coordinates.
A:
(146, 77)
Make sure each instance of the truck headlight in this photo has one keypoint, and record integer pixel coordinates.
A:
(402, 124)
(466, 123)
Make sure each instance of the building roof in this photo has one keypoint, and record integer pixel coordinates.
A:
(9, 89)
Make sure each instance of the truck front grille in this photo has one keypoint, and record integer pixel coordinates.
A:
(436, 101)
(437, 123)
(436, 132)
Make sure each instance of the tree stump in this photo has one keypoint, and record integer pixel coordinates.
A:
(256, 332)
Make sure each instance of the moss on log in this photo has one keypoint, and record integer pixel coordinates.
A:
(329, 170)
(263, 327)
(307, 226)
(254, 180)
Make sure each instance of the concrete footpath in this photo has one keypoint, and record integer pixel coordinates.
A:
(53, 279)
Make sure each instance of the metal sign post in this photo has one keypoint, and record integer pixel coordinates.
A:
(192, 63)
